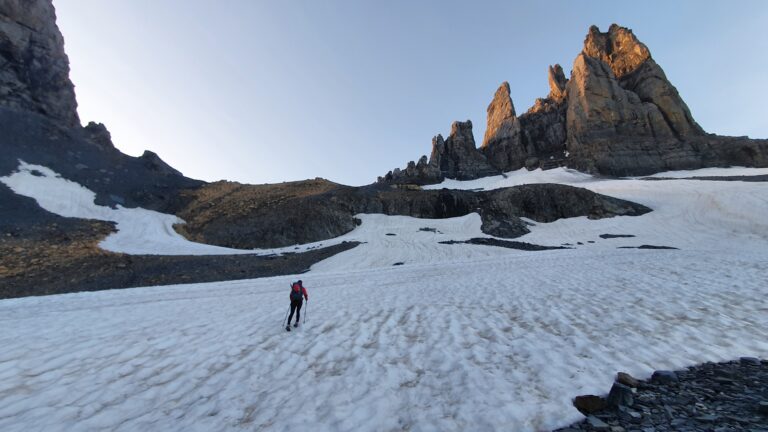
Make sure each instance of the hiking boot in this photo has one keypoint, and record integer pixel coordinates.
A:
(296, 324)
(288, 327)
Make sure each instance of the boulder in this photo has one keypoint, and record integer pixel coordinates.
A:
(627, 379)
(588, 404)
(620, 395)
(664, 377)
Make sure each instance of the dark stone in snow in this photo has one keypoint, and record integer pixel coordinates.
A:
(610, 236)
(626, 379)
(588, 404)
(503, 243)
(648, 247)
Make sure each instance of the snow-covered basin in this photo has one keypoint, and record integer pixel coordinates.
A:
(459, 337)
(496, 344)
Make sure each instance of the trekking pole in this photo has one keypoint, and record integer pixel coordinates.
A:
(285, 317)
(306, 312)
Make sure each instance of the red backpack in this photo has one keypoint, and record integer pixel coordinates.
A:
(296, 291)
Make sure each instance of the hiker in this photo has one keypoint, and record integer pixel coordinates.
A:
(297, 291)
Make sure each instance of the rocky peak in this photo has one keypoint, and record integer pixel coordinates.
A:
(618, 48)
(501, 113)
(501, 143)
(618, 114)
(632, 70)
(35, 70)
(98, 134)
(557, 83)
(457, 157)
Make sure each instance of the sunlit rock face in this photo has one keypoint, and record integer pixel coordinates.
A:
(617, 114)
(34, 71)
(625, 118)
(557, 84)
(502, 143)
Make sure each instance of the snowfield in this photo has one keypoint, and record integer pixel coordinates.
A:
(458, 337)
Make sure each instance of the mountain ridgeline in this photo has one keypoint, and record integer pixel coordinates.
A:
(617, 115)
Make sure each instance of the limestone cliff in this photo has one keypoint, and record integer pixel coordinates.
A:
(34, 70)
(501, 144)
(618, 114)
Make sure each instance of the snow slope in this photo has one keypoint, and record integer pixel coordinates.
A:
(459, 337)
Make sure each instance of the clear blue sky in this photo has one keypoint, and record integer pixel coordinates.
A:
(268, 91)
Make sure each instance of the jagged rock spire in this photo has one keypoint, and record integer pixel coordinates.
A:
(501, 143)
(557, 83)
(618, 48)
(501, 115)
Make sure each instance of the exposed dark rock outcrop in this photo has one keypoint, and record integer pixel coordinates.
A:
(457, 157)
(618, 115)
(483, 241)
(422, 172)
(98, 134)
(248, 216)
(34, 70)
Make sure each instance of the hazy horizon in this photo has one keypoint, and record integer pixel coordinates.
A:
(261, 92)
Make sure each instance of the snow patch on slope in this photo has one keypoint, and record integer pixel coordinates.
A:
(140, 231)
(713, 172)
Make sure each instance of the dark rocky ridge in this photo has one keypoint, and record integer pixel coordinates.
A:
(617, 115)
(248, 216)
(87, 156)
